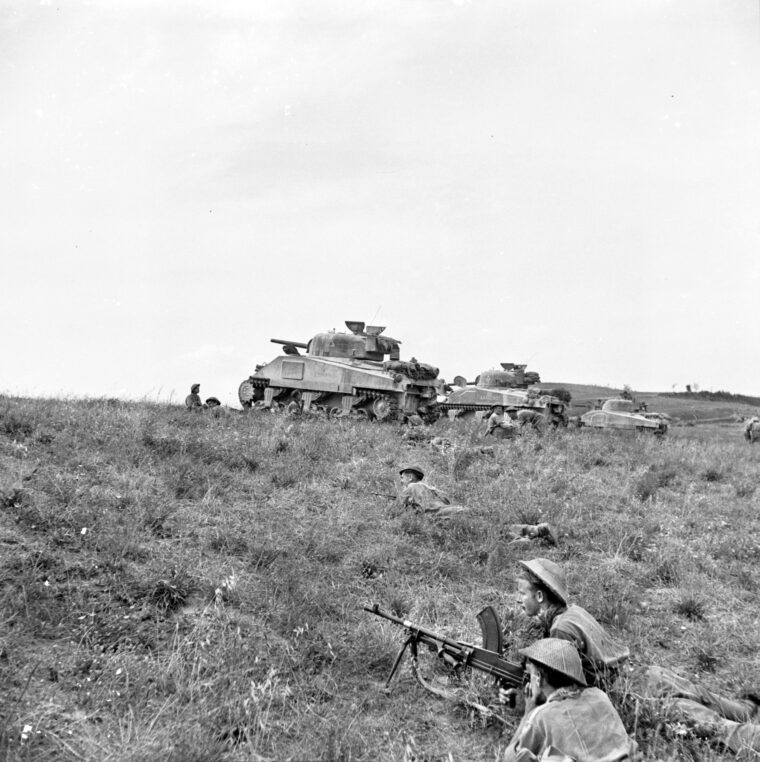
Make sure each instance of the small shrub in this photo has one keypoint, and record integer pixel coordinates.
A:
(667, 571)
(646, 486)
(745, 489)
(712, 474)
(706, 659)
(187, 481)
(462, 461)
(262, 557)
(371, 568)
(230, 544)
(399, 607)
(163, 447)
(170, 592)
(526, 514)
(691, 607)
(16, 425)
(250, 463)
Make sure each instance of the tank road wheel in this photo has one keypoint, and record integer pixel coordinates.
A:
(246, 394)
(360, 414)
(381, 408)
(335, 412)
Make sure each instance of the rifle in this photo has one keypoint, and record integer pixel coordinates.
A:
(386, 495)
(458, 655)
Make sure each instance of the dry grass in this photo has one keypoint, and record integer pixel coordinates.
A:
(190, 587)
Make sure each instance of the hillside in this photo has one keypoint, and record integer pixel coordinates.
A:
(184, 586)
(683, 407)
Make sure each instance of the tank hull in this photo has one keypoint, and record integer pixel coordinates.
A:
(619, 414)
(480, 399)
(339, 386)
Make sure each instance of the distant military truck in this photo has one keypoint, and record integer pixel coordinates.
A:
(345, 374)
(512, 387)
(623, 414)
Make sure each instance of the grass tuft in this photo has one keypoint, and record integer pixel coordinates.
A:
(691, 607)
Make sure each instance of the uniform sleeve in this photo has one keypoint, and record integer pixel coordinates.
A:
(562, 631)
(528, 741)
(408, 498)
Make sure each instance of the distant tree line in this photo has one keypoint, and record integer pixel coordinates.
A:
(719, 396)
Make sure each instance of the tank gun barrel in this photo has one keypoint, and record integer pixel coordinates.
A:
(299, 344)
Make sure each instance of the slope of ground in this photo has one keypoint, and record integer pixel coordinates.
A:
(190, 587)
(683, 407)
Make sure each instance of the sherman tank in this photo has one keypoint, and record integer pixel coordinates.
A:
(512, 387)
(357, 373)
(623, 414)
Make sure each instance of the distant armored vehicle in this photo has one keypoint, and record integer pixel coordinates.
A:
(512, 387)
(345, 373)
(622, 414)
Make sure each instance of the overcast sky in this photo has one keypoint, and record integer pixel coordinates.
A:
(571, 185)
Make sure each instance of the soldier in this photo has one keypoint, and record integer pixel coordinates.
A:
(543, 594)
(193, 400)
(499, 420)
(530, 417)
(424, 498)
(564, 719)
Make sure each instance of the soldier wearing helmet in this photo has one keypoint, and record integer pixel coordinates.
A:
(193, 400)
(424, 498)
(543, 593)
(564, 719)
(500, 421)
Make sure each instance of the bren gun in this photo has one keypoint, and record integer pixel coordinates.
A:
(458, 655)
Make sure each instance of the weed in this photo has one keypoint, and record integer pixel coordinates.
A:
(398, 607)
(187, 481)
(371, 569)
(691, 607)
(655, 477)
(170, 591)
(667, 570)
(745, 488)
(705, 659)
(461, 463)
(162, 447)
(229, 544)
(16, 425)
(528, 515)
(712, 474)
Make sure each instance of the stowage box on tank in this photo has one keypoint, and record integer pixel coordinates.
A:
(345, 373)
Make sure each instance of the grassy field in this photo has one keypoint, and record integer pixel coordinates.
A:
(182, 586)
